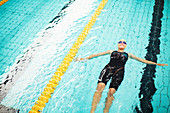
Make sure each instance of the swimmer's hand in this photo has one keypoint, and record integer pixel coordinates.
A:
(161, 64)
(79, 59)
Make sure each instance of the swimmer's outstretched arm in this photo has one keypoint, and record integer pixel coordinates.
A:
(94, 55)
(145, 61)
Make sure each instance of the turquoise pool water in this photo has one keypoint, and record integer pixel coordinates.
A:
(128, 19)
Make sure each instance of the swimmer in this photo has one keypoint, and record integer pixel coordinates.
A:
(114, 70)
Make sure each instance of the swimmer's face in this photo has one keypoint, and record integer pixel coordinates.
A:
(122, 44)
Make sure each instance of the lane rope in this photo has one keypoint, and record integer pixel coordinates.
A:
(54, 81)
(3, 2)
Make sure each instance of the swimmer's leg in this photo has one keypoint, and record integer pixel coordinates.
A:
(109, 100)
(97, 95)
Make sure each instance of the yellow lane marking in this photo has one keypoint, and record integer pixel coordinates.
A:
(54, 81)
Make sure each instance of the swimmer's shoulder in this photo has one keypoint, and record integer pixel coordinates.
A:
(130, 55)
(111, 51)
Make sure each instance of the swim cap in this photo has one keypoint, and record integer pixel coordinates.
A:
(122, 40)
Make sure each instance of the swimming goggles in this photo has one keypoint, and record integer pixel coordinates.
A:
(122, 42)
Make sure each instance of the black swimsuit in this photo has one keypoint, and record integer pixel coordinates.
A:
(114, 69)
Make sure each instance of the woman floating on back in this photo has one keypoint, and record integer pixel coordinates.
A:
(114, 70)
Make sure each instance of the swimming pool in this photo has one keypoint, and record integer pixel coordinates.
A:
(120, 19)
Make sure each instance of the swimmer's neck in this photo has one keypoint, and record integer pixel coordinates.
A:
(120, 50)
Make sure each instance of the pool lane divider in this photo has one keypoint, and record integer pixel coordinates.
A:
(54, 81)
(148, 88)
(3, 2)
